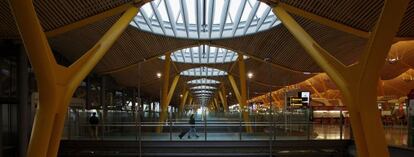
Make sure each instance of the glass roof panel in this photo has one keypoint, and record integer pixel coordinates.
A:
(203, 87)
(203, 81)
(205, 19)
(203, 71)
(203, 92)
(204, 54)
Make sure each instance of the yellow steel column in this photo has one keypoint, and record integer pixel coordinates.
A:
(183, 101)
(166, 102)
(243, 90)
(240, 100)
(314, 89)
(223, 99)
(56, 83)
(358, 83)
(216, 104)
(164, 90)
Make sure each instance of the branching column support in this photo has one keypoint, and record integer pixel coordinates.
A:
(183, 101)
(216, 104)
(167, 92)
(315, 90)
(223, 98)
(56, 83)
(240, 100)
(358, 83)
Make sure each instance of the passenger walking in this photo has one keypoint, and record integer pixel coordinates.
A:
(94, 121)
(192, 131)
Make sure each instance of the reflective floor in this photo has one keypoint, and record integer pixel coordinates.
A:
(396, 135)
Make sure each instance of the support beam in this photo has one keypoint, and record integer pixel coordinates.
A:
(324, 21)
(89, 20)
(165, 87)
(183, 101)
(241, 99)
(166, 101)
(23, 107)
(358, 83)
(223, 99)
(56, 83)
(216, 104)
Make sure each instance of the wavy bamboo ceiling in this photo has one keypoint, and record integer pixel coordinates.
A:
(288, 59)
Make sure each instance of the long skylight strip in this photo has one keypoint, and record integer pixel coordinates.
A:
(203, 71)
(203, 87)
(203, 81)
(199, 13)
(224, 18)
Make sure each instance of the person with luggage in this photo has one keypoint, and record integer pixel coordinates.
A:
(192, 131)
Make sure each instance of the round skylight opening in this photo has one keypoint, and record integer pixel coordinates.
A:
(205, 19)
(204, 54)
(203, 72)
(203, 87)
(203, 92)
(203, 81)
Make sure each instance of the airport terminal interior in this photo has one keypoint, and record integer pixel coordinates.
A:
(213, 78)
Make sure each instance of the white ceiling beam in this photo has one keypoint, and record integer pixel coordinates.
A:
(251, 16)
(238, 17)
(224, 16)
(263, 18)
(171, 17)
(157, 14)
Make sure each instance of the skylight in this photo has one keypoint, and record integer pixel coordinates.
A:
(203, 54)
(203, 95)
(203, 87)
(203, 92)
(205, 19)
(203, 81)
(203, 71)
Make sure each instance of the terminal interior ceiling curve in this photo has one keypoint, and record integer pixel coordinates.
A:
(287, 61)
(142, 66)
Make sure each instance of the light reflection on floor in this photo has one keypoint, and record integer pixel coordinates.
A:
(396, 135)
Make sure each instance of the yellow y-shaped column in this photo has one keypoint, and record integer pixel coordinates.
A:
(56, 83)
(242, 102)
(223, 98)
(167, 93)
(183, 101)
(358, 82)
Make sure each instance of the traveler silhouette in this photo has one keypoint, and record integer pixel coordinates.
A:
(94, 121)
(192, 131)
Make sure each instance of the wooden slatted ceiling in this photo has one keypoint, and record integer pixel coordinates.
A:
(8, 29)
(406, 27)
(276, 43)
(360, 14)
(57, 13)
(280, 46)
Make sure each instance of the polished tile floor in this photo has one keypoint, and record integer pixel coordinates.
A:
(396, 135)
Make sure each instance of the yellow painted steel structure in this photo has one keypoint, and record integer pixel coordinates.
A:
(241, 99)
(358, 82)
(166, 98)
(223, 99)
(56, 83)
(183, 101)
(216, 104)
(89, 20)
(324, 21)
